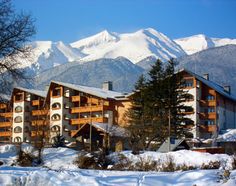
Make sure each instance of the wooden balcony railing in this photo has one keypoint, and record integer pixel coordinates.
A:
(88, 109)
(39, 122)
(5, 124)
(38, 133)
(75, 98)
(5, 134)
(208, 103)
(210, 115)
(6, 114)
(3, 106)
(208, 128)
(39, 112)
(36, 102)
(80, 121)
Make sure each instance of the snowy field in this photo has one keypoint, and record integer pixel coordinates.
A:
(59, 169)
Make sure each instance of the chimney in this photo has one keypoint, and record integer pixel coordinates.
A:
(206, 76)
(107, 85)
(227, 89)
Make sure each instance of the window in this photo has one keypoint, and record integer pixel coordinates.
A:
(27, 97)
(188, 84)
(18, 119)
(210, 109)
(55, 117)
(17, 129)
(210, 97)
(18, 109)
(56, 106)
(18, 97)
(55, 128)
(56, 92)
(67, 93)
(209, 122)
(17, 139)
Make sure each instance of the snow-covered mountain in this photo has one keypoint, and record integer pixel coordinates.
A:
(201, 42)
(133, 46)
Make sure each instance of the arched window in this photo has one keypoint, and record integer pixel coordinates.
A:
(18, 109)
(17, 129)
(17, 139)
(18, 119)
(56, 106)
(55, 117)
(55, 128)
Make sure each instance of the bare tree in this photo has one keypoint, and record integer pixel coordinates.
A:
(16, 29)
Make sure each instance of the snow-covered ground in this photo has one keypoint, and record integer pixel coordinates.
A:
(59, 169)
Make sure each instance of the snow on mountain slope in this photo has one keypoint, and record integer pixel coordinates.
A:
(133, 46)
(201, 42)
(47, 54)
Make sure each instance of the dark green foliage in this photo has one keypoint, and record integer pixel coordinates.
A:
(59, 141)
(156, 102)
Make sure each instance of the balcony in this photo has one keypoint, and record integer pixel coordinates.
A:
(207, 103)
(5, 134)
(5, 124)
(208, 128)
(210, 115)
(75, 98)
(39, 122)
(3, 106)
(80, 121)
(39, 112)
(6, 114)
(88, 109)
(38, 133)
(35, 102)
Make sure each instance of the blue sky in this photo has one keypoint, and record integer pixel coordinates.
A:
(71, 20)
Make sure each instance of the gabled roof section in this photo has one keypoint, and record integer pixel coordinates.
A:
(106, 94)
(33, 91)
(211, 84)
(173, 146)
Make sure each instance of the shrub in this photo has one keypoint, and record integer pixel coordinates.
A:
(211, 165)
(169, 166)
(145, 165)
(123, 163)
(25, 159)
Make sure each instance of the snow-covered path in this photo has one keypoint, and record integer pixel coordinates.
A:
(42, 176)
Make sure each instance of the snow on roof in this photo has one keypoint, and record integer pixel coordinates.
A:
(4, 97)
(211, 84)
(228, 136)
(93, 91)
(113, 130)
(33, 91)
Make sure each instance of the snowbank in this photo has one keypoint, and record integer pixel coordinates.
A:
(228, 136)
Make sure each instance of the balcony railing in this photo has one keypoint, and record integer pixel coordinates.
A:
(75, 98)
(6, 114)
(3, 106)
(207, 103)
(39, 122)
(5, 124)
(208, 128)
(36, 102)
(38, 133)
(209, 115)
(88, 120)
(5, 134)
(39, 112)
(88, 109)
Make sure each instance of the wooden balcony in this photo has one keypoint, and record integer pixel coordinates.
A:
(39, 112)
(35, 102)
(38, 133)
(75, 98)
(5, 134)
(208, 128)
(6, 114)
(81, 121)
(5, 124)
(3, 106)
(39, 122)
(210, 115)
(88, 109)
(207, 103)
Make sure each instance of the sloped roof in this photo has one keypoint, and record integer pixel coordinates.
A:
(33, 91)
(165, 145)
(93, 91)
(211, 84)
(228, 136)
